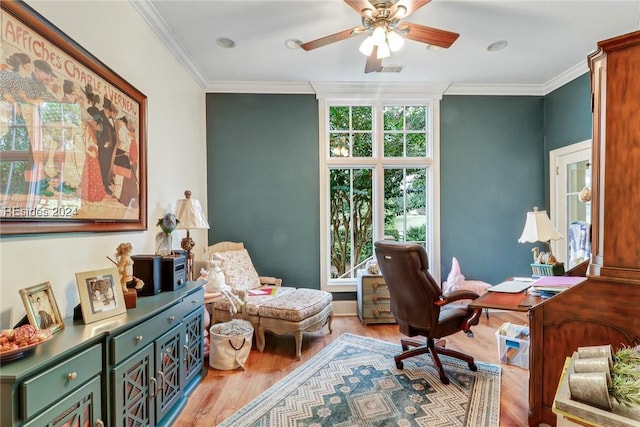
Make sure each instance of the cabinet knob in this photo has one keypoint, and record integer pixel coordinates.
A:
(195, 301)
(72, 375)
(375, 286)
(378, 313)
(172, 318)
(139, 338)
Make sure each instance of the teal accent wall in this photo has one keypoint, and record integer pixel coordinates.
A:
(262, 163)
(567, 118)
(491, 162)
(263, 178)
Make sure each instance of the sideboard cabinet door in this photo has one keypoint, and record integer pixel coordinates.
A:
(134, 388)
(80, 408)
(193, 347)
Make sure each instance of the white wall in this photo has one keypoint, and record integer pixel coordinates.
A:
(115, 33)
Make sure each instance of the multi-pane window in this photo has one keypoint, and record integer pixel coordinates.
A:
(378, 175)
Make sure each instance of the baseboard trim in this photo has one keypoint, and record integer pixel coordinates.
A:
(345, 308)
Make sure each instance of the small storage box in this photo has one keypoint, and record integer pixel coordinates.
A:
(556, 269)
(513, 344)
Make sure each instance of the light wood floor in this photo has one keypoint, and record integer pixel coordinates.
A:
(223, 392)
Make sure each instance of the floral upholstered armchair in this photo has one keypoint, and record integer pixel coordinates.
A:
(267, 305)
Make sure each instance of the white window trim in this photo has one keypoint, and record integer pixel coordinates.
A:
(433, 224)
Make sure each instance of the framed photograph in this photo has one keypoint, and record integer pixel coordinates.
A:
(72, 134)
(41, 307)
(100, 294)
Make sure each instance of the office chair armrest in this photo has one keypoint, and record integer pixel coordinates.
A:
(456, 296)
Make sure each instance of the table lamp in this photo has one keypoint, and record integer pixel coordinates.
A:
(190, 217)
(538, 228)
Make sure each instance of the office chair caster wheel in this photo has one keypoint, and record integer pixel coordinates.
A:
(445, 380)
(399, 364)
(473, 367)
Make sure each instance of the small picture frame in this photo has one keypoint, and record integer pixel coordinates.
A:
(101, 295)
(41, 307)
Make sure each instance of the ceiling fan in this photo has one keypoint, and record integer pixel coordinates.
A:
(382, 20)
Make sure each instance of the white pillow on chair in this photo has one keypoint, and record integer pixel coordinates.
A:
(457, 282)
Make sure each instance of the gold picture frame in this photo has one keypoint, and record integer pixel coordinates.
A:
(41, 307)
(76, 160)
(101, 295)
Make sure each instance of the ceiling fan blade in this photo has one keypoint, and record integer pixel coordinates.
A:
(410, 5)
(428, 35)
(373, 64)
(359, 5)
(323, 41)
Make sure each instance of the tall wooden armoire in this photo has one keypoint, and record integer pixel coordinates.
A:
(605, 309)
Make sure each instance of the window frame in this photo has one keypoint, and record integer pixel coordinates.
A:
(378, 163)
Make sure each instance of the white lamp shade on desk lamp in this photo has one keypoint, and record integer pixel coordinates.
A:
(190, 214)
(538, 228)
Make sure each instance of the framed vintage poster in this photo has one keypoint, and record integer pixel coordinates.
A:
(72, 134)
(101, 294)
(41, 307)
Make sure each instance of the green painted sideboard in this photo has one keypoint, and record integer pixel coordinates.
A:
(134, 369)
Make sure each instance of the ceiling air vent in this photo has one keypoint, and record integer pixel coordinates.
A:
(391, 68)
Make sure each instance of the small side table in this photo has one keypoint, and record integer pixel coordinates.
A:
(374, 301)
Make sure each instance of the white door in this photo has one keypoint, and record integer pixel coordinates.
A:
(570, 186)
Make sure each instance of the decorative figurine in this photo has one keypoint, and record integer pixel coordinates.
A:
(125, 268)
(217, 283)
(167, 224)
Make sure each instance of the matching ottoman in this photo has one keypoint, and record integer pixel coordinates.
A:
(303, 310)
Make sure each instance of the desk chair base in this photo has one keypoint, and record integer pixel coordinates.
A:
(432, 348)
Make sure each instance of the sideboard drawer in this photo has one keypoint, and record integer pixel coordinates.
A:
(378, 314)
(369, 298)
(46, 388)
(374, 284)
(127, 343)
(136, 338)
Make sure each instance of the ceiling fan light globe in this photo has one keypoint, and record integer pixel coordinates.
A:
(367, 46)
(383, 51)
(378, 36)
(395, 41)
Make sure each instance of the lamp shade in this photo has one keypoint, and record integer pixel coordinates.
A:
(538, 228)
(190, 214)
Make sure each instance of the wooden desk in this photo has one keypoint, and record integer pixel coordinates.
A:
(520, 301)
(593, 312)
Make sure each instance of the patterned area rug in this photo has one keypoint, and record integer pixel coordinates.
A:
(354, 382)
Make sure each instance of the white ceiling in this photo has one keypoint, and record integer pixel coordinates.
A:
(548, 43)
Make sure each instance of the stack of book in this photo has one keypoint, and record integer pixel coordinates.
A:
(548, 286)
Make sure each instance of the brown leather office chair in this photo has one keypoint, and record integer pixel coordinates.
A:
(420, 307)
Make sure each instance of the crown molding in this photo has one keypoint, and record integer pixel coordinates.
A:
(168, 37)
(260, 87)
(564, 78)
(417, 90)
(494, 89)
(369, 90)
